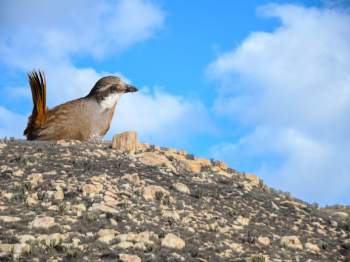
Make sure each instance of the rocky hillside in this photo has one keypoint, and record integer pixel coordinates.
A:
(78, 201)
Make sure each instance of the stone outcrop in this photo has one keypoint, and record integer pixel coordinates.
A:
(126, 141)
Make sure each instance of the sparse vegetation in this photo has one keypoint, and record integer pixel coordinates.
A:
(199, 192)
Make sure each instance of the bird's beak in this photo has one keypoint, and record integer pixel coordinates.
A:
(130, 88)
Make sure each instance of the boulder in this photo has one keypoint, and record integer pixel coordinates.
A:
(126, 141)
(173, 241)
(220, 164)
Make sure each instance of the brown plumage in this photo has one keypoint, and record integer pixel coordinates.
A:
(87, 118)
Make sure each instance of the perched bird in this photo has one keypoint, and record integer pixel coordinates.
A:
(87, 118)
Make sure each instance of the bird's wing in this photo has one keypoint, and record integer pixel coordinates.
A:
(61, 122)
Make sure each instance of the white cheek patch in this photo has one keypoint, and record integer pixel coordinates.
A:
(110, 101)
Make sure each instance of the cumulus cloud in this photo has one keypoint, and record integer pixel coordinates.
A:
(39, 31)
(293, 85)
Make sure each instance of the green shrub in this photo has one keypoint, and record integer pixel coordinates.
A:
(284, 245)
(150, 247)
(323, 245)
(217, 196)
(90, 217)
(261, 183)
(165, 201)
(346, 246)
(19, 197)
(62, 209)
(244, 214)
(71, 253)
(217, 242)
(199, 192)
(30, 249)
(231, 213)
(162, 234)
(159, 195)
(257, 259)
(266, 222)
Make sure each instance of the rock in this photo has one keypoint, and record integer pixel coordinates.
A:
(134, 178)
(125, 245)
(292, 241)
(264, 240)
(203, 161)
(216, 169)
(172, 214)
(45, 222)
(110, 194)
(153, 159)
(78, 208)
(130, 156)
(309, 246)
(334, 223)
(53, 239)
(233, 246)
(101, 208)
(173, 241)
(292, 203)
(88, 188)
(220, 164)
(129, 258)
(254, 179)
(243, 221)
(190, 165)
(17, 248)
(151, 190)
(58, 195)
(126, 141)
(35, 177)
(181, 187)
(24, 238)
(9, 219)
(171, 155)
(274, 206)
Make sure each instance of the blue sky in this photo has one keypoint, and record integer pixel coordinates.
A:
(263, 86)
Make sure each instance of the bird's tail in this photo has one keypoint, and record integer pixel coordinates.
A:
(38, 87)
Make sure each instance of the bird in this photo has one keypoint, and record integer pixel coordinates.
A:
(85, 119)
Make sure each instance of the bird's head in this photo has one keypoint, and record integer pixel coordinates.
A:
(109, 89)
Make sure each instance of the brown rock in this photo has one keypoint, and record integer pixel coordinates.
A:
(172, 214)
(9, 219)
(181, 187)
(58, 195)
(253, 178)
(292, 242)
(151, 190)
(309, 246)
(101, 208)
(233, 246)
(203, 161)
(191, 165)
(129, 258)
(173, 241)
(35, 177)
(88, 188)
(292, 203)
(134, 178)
(78, 208)
(153, 159)
(174, 156)
(126, 141)
(243, 221)
(264, 240)
(220, 164)
(45, 222)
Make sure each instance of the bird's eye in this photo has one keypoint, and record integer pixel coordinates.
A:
(113, 88)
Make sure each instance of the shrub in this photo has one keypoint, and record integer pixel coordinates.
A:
(19, 197)
(199, 192)
(62, 209)
(251, 238)
(89, 217)
(217, 242)
(217, 196)
(150, 247)
(315, 205)
(72, 253)
(159, 195)
(162, 234)
(346, 246)
(231, 213)
(284, 245)
(266, 222)
(165, 201)
(30, 249)
(244, 214)
(323, 245)
(257, 259)
(261, 183)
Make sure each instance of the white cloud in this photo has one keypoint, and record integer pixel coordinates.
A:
(294, 85)
(11, 124)
(35, 32)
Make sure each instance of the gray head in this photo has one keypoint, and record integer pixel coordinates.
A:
(109, 89)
